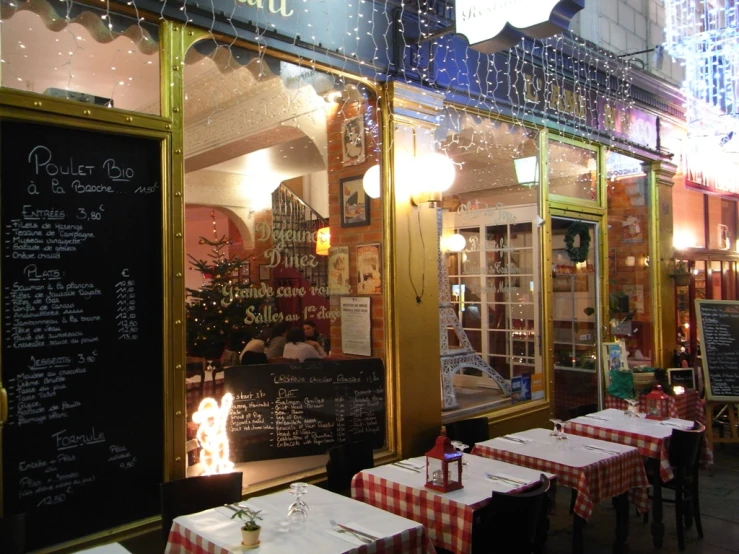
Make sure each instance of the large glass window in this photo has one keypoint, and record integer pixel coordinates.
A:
(573, 171)
(493, 281)
(279, 232)
(630, 293)
(82, 53)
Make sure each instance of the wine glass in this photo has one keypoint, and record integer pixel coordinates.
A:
(632, 409)
(461, 447)
(559, 429)
(297, 514)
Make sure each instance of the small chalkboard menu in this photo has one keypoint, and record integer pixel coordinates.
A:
(718, 324)
(82, 335)
(303, 409)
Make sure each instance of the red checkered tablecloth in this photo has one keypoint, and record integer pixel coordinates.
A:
(595, 482)
(651, 447)
(182, 540)
(448, 523)
(687, 406)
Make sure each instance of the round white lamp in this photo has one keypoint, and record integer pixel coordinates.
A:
(371, 181)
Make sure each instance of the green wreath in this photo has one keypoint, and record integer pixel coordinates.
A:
(582, 230)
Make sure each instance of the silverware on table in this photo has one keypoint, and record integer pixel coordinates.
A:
(364, 537)
(595, 417)
(599, 449)
(406, 466)
(514, 439)
(509, 480)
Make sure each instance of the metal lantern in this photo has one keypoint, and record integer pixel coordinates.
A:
(443, 466)
(658, 406)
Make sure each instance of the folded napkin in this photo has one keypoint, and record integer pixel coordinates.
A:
(348, 537)
(601, 449)
(515, 438)
(513, 481)
(677, 423)
(414, 465)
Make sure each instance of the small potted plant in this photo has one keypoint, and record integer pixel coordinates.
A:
(680, 273)
(250, 529)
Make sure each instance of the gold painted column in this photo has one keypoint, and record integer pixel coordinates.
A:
(662, 251)
(415, 302)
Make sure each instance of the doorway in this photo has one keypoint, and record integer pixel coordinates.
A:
(576, 317)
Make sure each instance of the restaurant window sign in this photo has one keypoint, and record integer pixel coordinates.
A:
(494, 25)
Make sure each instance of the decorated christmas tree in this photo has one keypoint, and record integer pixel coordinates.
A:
(216, 311)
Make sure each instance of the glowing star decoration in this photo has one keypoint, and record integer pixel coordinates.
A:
(211, 435)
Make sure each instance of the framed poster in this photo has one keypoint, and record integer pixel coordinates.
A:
(354, 203)
(356, 325)
(338, 270)
(352, 141)
(369, 275)
(614, 357)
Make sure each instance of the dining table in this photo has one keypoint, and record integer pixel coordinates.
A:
(447, 516)
(687, 405)
(595, 469)
(649, 436)
(335, 525)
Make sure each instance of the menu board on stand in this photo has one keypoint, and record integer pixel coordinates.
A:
(718, 325)
(303, 409)
(82, 328)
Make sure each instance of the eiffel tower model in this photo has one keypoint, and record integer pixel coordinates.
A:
(455, 359)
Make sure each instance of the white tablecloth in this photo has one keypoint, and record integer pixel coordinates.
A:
(617, 420)
(214, 531)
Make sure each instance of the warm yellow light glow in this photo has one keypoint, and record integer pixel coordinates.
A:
(436, 172)
(211, 435)
(678, 389)
(581, 265)
(323, 241)
(453, 243)
(682, 239)
(371, 181)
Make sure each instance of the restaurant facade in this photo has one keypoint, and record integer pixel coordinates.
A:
(296, 161)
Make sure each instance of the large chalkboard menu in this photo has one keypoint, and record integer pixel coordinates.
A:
(303, 409)
(82, 312)
(718, 323)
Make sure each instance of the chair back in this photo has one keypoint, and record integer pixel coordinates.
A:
(345, 461)
(685, 445)
(516, 522)
(469, 431)
(13, 534)
(195, 494)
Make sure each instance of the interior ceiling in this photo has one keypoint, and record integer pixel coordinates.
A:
(285, 160)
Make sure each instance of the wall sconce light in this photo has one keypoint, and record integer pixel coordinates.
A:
(630, 261)
(436, 172)
(371, 181)
(453, 243)
(323, 241)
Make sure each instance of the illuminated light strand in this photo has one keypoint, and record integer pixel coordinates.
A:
(211, 434)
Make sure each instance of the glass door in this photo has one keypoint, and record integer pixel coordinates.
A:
(576, 321)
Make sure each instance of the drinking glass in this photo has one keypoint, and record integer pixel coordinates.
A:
(297, 514)
(559, 429)
(461, 447)
(633, 408)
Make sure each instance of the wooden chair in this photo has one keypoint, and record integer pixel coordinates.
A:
(514, 523)
(13, 534)
(195, 494)
(684, 453)
(345, 461)
(469, 431)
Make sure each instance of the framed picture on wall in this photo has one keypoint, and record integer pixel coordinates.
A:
(352, 140)
(369, 275)
(338, 270)
(614, 357)
(355, 204)
(264, 273)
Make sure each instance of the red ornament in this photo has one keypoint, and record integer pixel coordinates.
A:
(658, 406)
(443, 466)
